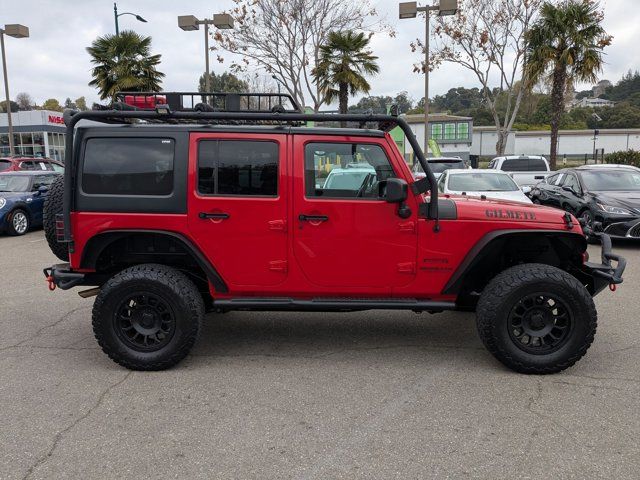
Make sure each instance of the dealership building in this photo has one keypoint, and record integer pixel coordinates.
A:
(35, 132)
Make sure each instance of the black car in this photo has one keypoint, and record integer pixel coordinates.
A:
(605, 198)
(22, 197)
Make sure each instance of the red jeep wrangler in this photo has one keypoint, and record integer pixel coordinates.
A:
(169, 214)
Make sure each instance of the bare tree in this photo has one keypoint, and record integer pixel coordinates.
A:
(283, 38)
(24, 101)
(487, 37)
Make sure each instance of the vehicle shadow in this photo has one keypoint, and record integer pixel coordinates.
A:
(318, 335)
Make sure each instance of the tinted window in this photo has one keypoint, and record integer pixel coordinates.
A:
(345, 170)
(5, 165)
(516, 165)
(42, 180)
(553, 179)
(128, 166)
(440, 166)
(537, 165)
(27, 166)
(14, 183)
(232, 167)
(571, 181)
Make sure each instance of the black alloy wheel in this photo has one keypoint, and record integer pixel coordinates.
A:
(144, 322)
(540, 323)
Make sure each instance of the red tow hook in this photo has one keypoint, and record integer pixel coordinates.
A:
(52, 283)
(613, 287)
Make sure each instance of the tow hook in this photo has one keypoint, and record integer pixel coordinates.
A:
(52, 283)
(567, 219)
(613, 287)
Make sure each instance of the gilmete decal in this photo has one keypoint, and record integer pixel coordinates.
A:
(511, 214)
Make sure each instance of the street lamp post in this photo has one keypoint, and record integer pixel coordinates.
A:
(15, 31)
(410, 10)
(116, 15)
(596, 132)
(223, 21)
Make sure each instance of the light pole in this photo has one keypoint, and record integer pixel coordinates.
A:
(16, 31)
(410, 10)
(223, 21)
(116, 15)
(279, 82)
(596, 119)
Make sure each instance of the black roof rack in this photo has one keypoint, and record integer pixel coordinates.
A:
(206, 102)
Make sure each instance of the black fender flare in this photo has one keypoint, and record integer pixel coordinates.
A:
(475, 255)
(102, 240)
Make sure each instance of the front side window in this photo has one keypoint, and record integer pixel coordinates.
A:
(42, 180)
(128, 166)
(238, 167)
(345, 170)
(572, 182)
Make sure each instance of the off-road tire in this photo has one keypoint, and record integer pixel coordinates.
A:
(53, 206)
(500, 298)
(159, 281)
(11, 230)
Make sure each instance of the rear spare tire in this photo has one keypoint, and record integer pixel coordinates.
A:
(536, 318)
(52, 207)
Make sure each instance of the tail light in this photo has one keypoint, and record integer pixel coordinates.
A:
(59, 227)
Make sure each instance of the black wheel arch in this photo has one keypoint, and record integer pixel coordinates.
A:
(499, 250)
(121, 248)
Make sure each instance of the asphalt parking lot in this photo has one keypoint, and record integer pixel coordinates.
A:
(307, 396)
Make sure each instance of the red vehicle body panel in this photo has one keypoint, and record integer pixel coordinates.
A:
(364, 250)
(15, 163)
(144, 101)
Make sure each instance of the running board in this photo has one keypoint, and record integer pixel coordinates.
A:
(332, 304)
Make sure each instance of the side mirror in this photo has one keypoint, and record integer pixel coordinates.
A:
(567, 188)
(43, 189)
(396, 190)
(526, 190)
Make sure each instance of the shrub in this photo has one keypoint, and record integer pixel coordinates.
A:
(625, 157)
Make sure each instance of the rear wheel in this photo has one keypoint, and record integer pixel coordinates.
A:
(19, 222)
(52, 207)
(148, 317)
(536, 319)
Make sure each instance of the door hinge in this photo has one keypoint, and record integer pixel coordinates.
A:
(407, 227)
(278, 266)
(279, 225)
(408, 267)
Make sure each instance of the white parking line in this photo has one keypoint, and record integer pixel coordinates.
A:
(39, 240)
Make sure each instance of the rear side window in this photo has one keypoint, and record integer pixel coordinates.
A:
(235, 167)
(128, 166)
(4, 165)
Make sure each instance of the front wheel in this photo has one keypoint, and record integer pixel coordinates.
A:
(147, 317)
(536, 319)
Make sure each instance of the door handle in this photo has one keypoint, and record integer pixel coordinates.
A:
(215, 216)
(312, 218)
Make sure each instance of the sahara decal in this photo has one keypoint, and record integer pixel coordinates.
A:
(510, 214)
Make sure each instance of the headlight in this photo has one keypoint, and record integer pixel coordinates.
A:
(615, 210)
(3, 202)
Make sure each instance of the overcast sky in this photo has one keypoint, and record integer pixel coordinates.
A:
(53, 61)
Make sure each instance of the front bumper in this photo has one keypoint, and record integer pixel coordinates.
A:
(618, 228)
(605, 274)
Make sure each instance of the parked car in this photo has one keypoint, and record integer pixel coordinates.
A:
(609, 196)
(439, 165)
(488, 183)
(18, 163)
(610, 165)
(22, 196)
(526, 170)
(162, 222)
(352, 178)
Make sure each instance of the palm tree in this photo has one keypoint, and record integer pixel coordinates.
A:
(344, 61)
(124, 63)
(565, 46)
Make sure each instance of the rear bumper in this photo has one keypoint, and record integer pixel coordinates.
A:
(64, 278)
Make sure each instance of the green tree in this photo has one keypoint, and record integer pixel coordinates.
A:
(345, 60)
(565, 46)
(81, 103)
(223, 83)
(69, 104)
(124, 63)
(14, 106)
(52, 104)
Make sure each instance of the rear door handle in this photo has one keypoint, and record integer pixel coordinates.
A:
(215, 216)
(312, 218)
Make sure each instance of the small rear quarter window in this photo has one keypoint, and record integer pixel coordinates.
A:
(128, 166)
(5, 165)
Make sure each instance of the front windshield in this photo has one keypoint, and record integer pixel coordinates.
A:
(14, 183)
(441, 166)
(481, 182)
(611, 181)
